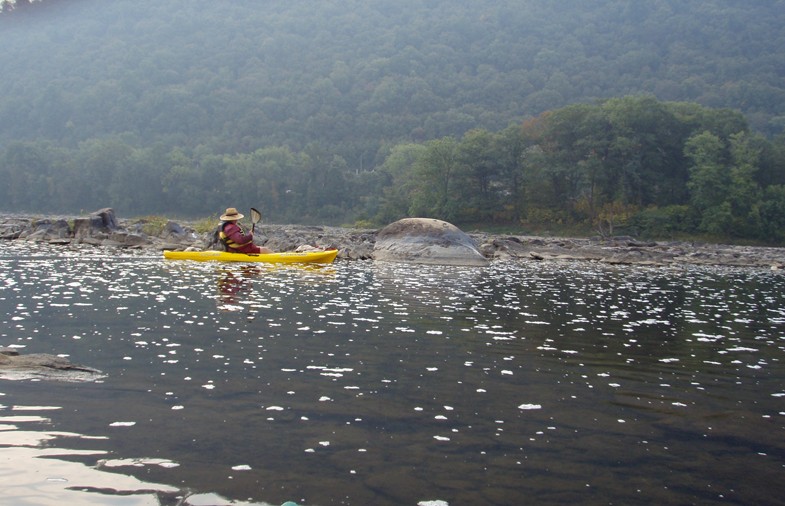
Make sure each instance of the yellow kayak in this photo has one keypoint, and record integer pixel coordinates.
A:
(289, 257)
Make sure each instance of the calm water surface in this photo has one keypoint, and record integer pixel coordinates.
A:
(363, 383)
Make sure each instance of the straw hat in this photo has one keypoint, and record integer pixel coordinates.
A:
(231, 214)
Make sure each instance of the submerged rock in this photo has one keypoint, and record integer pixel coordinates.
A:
(426, 241)
(14, 366)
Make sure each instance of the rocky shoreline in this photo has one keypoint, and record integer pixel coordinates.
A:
(102, 229)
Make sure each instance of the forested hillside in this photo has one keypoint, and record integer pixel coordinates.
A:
(187, 106)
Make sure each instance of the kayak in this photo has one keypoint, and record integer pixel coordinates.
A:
(288, 257)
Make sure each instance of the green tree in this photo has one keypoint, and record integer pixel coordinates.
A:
(480, 165)
(510, 148)
(96, 163)
(772, 214)
(562, 170)
(135, 188)
(646, 147)
(398, 184)
(24, 168)
(275, 181)
(184, 185)
(436, 173)
(709, 182)
(322, 186)
(744, 195)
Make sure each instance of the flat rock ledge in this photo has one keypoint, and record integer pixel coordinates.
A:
(43, 366)
(630, 251)
(102, 230)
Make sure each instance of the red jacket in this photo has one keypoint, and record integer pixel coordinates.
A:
(236, 240)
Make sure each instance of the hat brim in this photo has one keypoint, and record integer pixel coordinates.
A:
(233, 217)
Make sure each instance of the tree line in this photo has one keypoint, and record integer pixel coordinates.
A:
(624, 165)
(356, 76)
(631, 165)
(348, 111)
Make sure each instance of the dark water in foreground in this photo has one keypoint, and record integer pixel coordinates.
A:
(542, 383)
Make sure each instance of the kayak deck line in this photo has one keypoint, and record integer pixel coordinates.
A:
(286, 257)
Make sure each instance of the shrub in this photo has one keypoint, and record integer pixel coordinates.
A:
(153, 225)
(664, 221)
(206, 225)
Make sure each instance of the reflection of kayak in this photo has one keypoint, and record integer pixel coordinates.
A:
(289, 257)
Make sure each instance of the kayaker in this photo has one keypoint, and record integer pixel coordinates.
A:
(234, 237)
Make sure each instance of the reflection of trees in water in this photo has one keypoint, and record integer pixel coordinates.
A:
(236, 283)
(440, 288)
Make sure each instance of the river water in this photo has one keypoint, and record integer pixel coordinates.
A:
(384, 384)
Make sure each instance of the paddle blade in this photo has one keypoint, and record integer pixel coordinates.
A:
(256, 216)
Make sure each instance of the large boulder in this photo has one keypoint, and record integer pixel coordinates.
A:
(98, 225)
(426, 241)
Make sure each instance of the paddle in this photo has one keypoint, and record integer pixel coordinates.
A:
(256, 217)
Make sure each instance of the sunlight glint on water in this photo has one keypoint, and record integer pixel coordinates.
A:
(364, 383)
